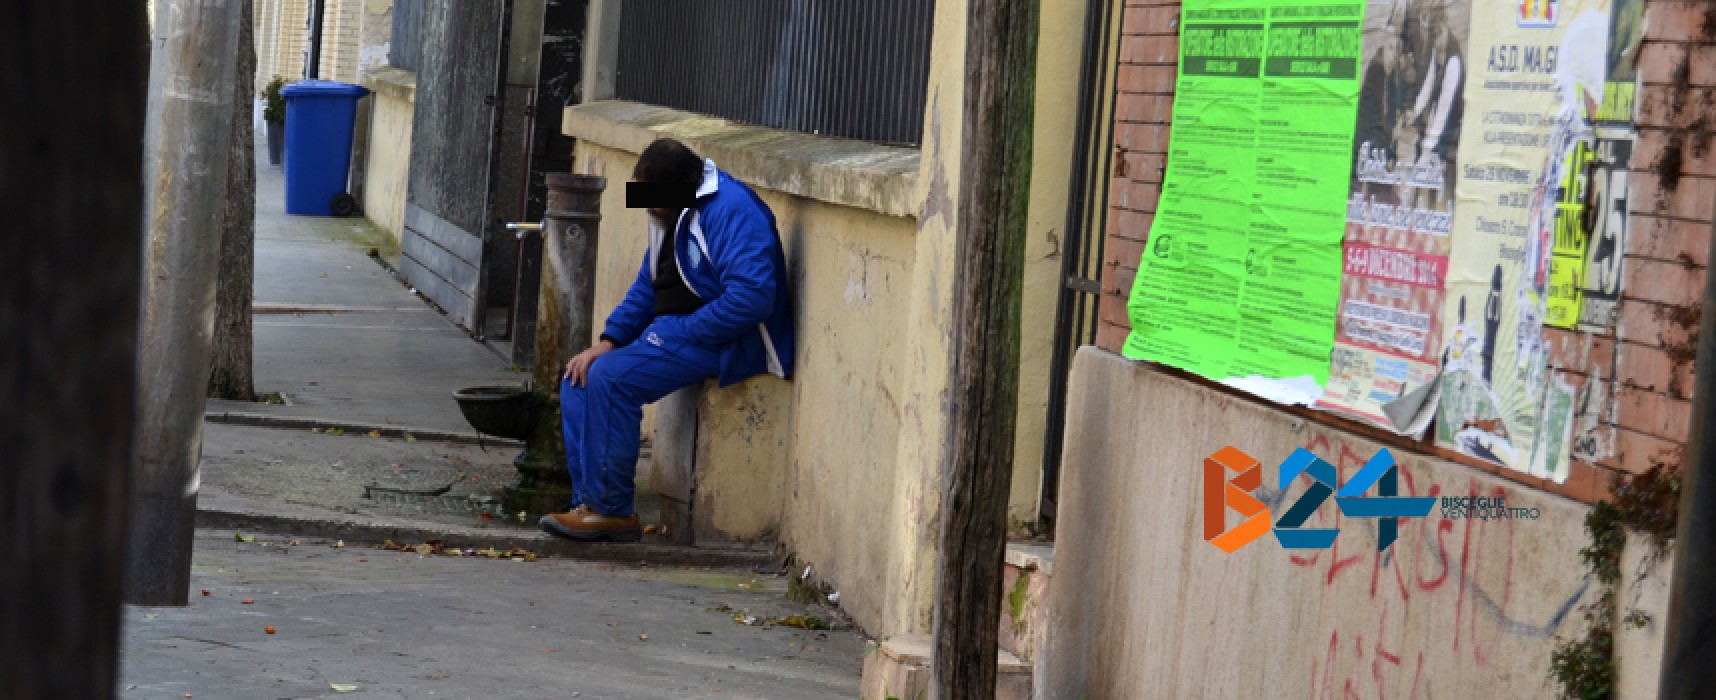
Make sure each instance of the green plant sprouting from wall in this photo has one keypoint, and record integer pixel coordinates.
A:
(1017, 598)
(1585, 667)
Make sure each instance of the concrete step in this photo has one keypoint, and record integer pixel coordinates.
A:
(1025, 607)
(900, 669)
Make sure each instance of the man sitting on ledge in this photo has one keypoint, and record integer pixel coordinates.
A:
(711, 300)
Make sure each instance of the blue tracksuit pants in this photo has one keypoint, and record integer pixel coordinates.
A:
(603, 419)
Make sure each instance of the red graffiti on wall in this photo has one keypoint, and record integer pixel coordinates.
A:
(1422, 566)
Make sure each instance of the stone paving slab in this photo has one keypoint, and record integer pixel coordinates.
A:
(383, 624)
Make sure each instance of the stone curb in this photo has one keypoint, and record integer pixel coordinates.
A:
(478, 538)
(397, 432)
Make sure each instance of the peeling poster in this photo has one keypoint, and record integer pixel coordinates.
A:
(1537, 77)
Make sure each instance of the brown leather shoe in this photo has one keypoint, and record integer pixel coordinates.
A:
(585, 525)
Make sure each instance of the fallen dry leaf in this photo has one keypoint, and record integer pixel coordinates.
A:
(643, 637)
(649, 529)
(269, 629)
(375, 433)
(362, 559)
(247, 601)
(205, 592)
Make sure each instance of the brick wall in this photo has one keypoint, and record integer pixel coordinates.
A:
(1640, 377)
(341, 26)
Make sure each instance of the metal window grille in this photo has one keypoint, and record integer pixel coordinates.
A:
(834, 67)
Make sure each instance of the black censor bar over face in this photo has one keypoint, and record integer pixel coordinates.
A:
(660, 195)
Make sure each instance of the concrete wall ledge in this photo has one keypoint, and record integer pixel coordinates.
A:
(397, 83)
(849, 173)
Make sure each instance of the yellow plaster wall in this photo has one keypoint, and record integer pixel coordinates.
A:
(388, 165)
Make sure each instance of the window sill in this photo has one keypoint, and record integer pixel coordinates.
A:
(849, 173)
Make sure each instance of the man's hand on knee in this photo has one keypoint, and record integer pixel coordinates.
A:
(578, 368)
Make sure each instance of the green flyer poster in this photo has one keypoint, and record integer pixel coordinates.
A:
(1240, 278)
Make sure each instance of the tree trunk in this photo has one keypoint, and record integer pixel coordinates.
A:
(994, 189)
(230, 362)
(230, 374)
(69, 303)
(193, 136)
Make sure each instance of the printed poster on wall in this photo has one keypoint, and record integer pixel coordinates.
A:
(1600, 303)
(1537, 73)
(1240, 278)
(1404, 163)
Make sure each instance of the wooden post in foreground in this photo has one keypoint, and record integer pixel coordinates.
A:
(184, 241)
(994, 189)
(70, 158)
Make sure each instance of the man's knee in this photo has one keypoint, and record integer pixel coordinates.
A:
(603, 381)
(570, 394)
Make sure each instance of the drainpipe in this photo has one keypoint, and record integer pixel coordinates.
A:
(1690, 637)
(313, 62)
(564, 324)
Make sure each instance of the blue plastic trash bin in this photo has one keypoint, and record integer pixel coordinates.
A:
(320, 115)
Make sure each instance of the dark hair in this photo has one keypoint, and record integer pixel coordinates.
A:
(668, 160)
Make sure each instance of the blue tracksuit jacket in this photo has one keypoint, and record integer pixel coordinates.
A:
(729, 253)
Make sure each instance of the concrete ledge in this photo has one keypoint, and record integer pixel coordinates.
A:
(1032, 556)
(900, 670)
(397, 83)
(849, 173)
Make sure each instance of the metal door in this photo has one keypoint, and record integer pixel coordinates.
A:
(547, 52)
(450, 200)
(1081, 252)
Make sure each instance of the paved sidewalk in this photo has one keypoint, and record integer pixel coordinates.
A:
(340, 337)
(381, 624)
(368, 489)
(352, 349)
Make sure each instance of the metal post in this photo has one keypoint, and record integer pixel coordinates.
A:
(1689, 644)
(184, 237)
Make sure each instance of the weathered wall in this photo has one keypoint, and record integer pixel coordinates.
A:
(801, 453)
(355, 37)
(1060, 38)
(388, 153)
(1644, 588)
(1144, 607)
(859, 435)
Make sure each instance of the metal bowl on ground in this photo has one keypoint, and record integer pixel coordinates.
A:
(501, 411)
